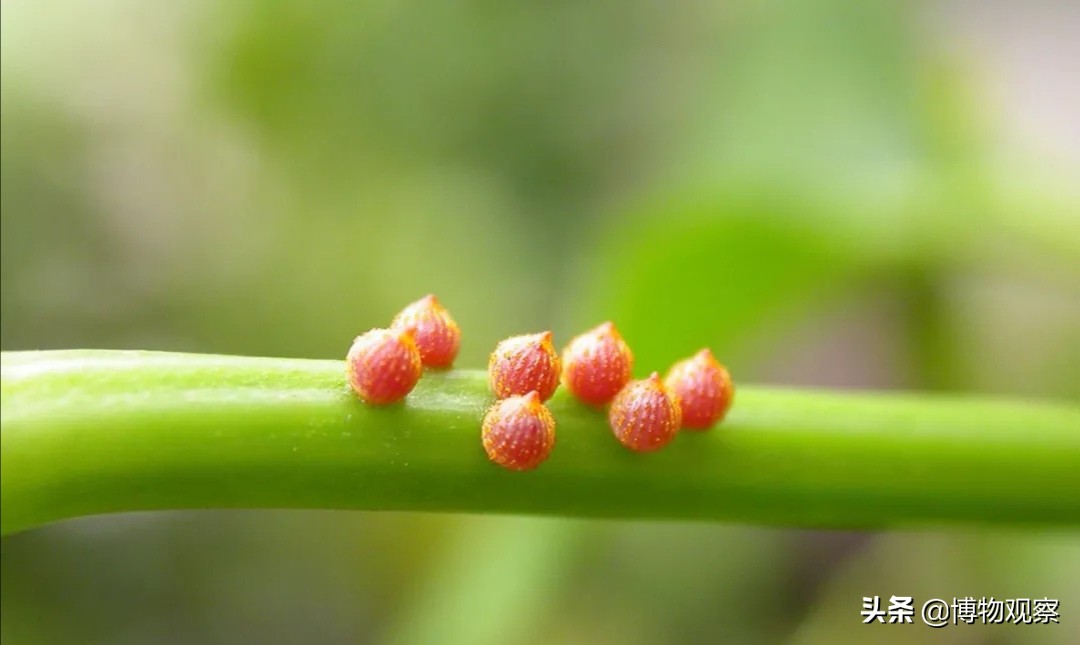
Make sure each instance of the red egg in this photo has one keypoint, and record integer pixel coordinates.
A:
(644, 416)
(519, 432)
(522, 364)
(704, 388)
(383, 365)
(597, 364)
(438, 337)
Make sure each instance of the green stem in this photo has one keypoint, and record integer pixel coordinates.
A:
(87, 432)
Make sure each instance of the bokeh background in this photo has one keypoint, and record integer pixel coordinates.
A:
(832, 193)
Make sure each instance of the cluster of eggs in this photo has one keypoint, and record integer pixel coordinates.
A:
(518, 431)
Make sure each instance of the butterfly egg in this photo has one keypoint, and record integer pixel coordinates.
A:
(644, 416)
(704, 388)
(519, 432)
(383, 365)
(521, 364)
(597, 364)
(438, 337)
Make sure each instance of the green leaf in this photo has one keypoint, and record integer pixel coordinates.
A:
(714, 271)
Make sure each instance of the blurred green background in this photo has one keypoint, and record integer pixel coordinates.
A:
(833, 193)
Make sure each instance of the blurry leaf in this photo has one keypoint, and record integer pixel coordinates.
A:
(492, 582)
(715, 273)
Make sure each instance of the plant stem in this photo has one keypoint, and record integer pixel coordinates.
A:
(88, 432)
